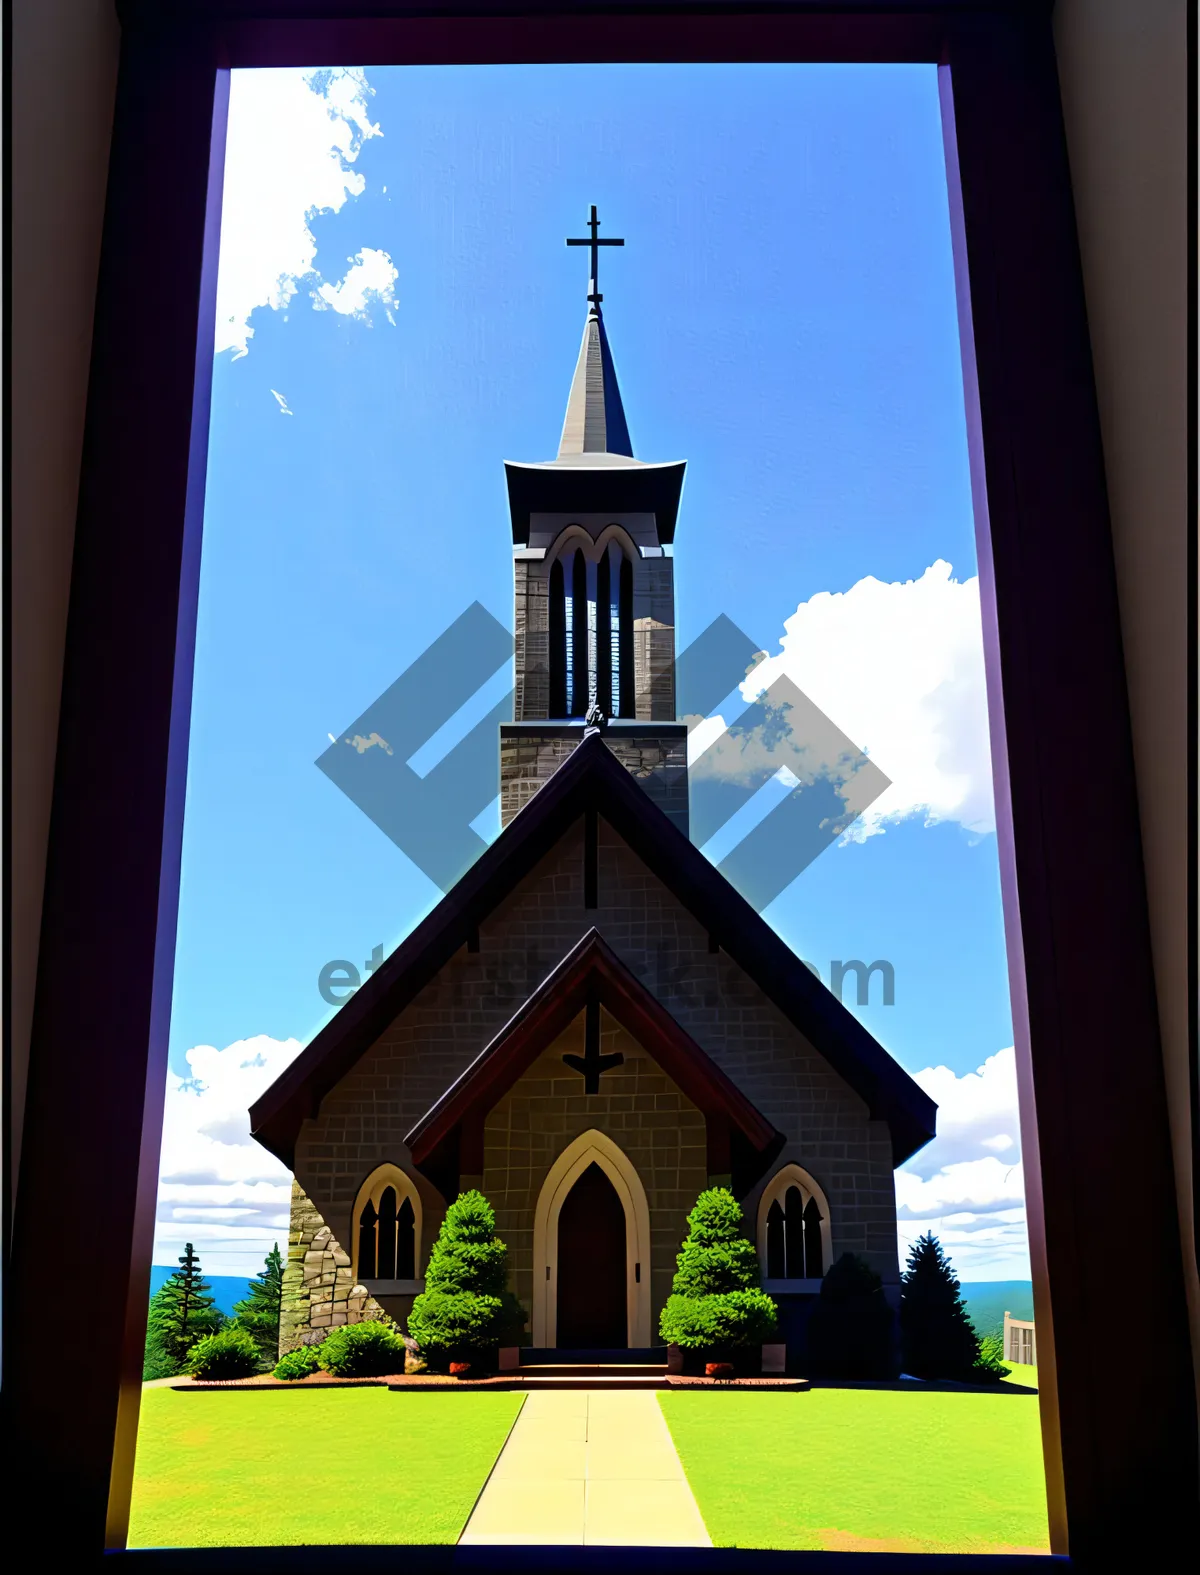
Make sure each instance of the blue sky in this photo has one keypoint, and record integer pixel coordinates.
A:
(399, 315)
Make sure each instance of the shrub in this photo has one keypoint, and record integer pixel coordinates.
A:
(850, 1329)
(465, 1309)
(991, 1349)
(717, 1298)
(305, 1359)
(362, 1350)
(938, 1338)
(230, 1353)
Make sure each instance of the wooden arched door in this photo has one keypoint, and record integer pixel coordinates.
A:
(592, 1254)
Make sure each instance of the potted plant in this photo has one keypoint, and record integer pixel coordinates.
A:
(460, 1317)
(718, 1315)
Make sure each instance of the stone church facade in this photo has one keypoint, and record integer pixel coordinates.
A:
(593, 1025)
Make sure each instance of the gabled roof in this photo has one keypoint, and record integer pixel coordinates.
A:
(591, 973)
(592, 779)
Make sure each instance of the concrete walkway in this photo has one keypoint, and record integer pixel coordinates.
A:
(588, 1466)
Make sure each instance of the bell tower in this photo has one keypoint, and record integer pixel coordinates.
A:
(593, 534)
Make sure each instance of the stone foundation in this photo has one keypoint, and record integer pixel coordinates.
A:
(318, 1285)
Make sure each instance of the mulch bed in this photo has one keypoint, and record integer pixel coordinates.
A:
(678, 1382)
(504, 1381)
(322, 1380)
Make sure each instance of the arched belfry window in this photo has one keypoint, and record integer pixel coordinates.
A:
(387, 1221)
(793, 1227)
(591, 625)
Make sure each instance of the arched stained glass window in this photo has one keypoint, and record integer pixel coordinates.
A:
(388, 1227)
(793, 1227)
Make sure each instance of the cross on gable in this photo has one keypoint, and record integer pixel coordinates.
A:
(591, 1063)
(594, 241)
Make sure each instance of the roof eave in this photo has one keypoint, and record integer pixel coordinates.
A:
(592, 777)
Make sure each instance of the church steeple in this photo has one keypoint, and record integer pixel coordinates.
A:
(594, 600)
(595, 421)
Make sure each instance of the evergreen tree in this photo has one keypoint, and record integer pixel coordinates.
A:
(938, 1338)
(181, 1312)
(464, 1309)
(717, 1299)
(849, 1332)
(259, 1312)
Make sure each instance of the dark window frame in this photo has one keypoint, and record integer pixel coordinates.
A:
(1121, 1456)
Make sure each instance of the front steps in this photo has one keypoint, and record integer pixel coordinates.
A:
(633, 1369)
(619, 1369)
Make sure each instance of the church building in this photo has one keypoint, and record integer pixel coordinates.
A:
(593, 1025)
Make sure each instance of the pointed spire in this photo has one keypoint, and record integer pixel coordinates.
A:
(595, 421)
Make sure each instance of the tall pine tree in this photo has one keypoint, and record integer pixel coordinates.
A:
(937, 1336)
(258, 1313)
(181, 1312)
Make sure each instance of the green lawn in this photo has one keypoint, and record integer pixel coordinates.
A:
(850, 1469)
(343, 1465)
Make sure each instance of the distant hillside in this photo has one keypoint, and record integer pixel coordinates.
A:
(988, 1300)
(225, 1288)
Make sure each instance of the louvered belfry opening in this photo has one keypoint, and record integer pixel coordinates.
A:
(590, 627)
(579, 635)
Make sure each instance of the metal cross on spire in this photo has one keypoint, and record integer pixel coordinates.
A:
(595, 242)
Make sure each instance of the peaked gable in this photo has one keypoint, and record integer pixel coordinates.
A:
(448, 1137)
(591, 783)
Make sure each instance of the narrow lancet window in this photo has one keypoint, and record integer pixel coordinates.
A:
(579, 636)
(406, 1242)
(604, 686)
(627, 704)
(558, 642)
(367, 1222)
(793, 1213)
(776, 1260)
(814, 1266)
(386, 1264)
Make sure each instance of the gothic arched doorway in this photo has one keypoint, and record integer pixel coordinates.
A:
(592, 1255)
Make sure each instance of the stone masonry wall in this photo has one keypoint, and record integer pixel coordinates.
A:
(531, 634)
(654, 639)
(658, 762)
(319, 1292)
(637, 1105)
(363, 1120)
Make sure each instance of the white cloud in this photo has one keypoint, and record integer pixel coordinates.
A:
(898, 669)
(292, 139)
(371, 278)
(217, 1187)
(958, 1187)
(282, 403)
